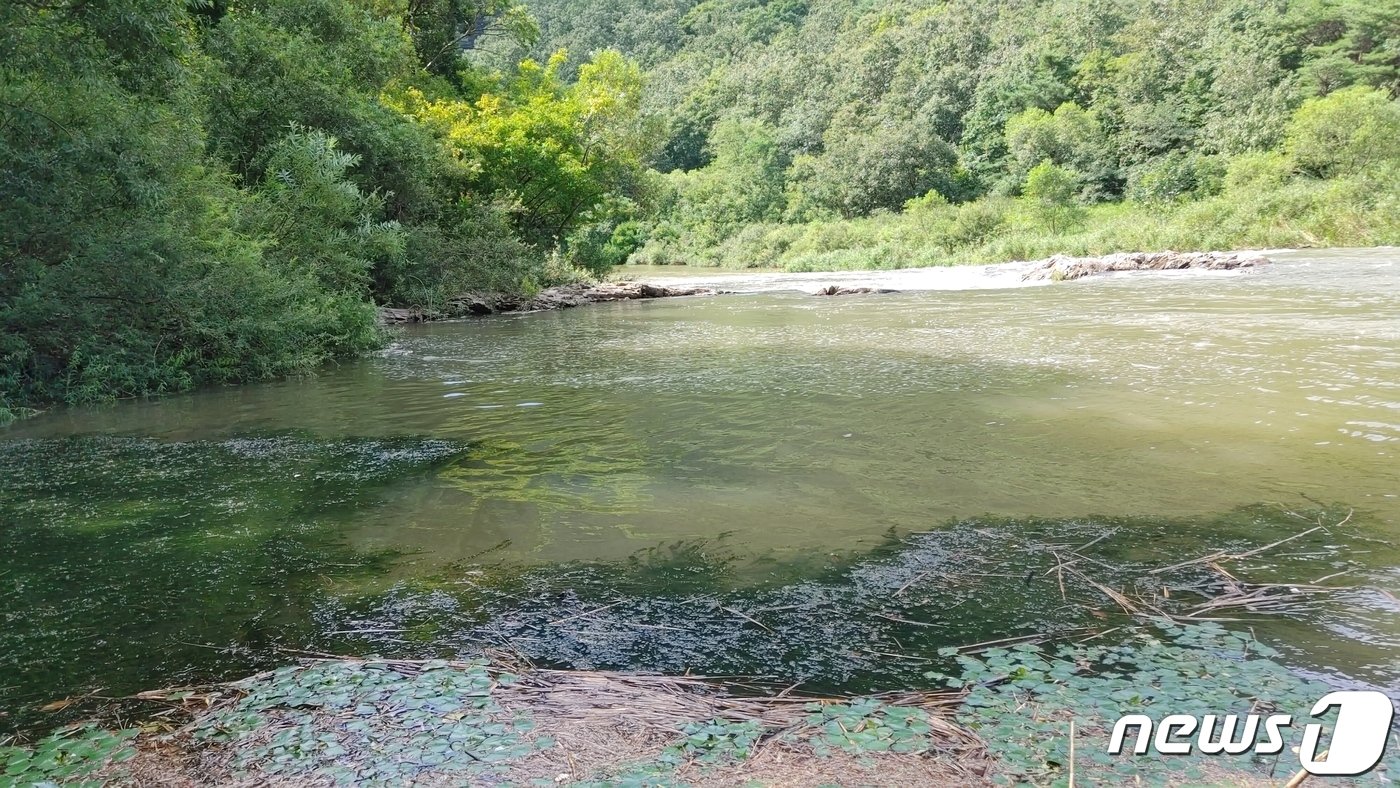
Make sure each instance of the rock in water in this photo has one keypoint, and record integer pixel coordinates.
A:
(837, 290)
(392, 315)
(1065, 268)
(577, 295)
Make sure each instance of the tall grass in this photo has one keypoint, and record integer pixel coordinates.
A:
(1361, 210)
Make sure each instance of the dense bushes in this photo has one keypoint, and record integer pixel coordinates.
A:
(197, 193)
(127, 268)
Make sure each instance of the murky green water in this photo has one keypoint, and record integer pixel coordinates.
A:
(766, 448)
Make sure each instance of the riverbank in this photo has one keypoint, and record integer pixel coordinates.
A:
(357, 721)
(1055, 268)
(1021, 712)
(476, 304)
(1294, 212)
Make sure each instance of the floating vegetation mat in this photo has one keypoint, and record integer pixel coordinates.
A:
(121, 559)
(1023, 714)
(954, 656)
(876, 621)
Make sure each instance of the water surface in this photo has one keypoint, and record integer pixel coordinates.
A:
(797, 432)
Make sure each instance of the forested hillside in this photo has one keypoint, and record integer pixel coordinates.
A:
(207, 191)
(1117, 124)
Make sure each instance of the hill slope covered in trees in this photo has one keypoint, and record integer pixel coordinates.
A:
(832, 133)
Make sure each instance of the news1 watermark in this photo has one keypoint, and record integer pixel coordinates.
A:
(1357, 744)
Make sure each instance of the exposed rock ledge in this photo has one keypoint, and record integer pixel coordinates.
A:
(562, 297)
(838, 290)
(1064, 268)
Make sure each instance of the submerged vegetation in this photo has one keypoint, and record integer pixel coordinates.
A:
(963, 651)
(186, 554)
(252, 528)
(861, 622)
(196, 192)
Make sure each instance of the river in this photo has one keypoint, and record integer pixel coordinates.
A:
(780, 436)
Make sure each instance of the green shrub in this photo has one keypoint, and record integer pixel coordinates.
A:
(1257, 170)
(129, 266)
(978, 221)
(1344, 133)
(469, 245)
(1176, 176)
(606, 239)
(314, 220)
(1051, 190)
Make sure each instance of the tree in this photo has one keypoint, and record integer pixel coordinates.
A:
(743, 185)
(314, 220)
(548, 150)
(1345, 132)
(196, 193)
(1175, 176)
(873, 163)
(442, 30)
(1070, 137)
(1348, 43)
(1051, 190)
(125, 264)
